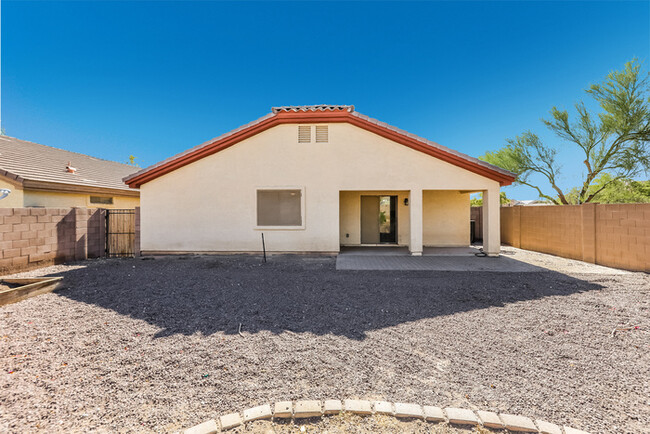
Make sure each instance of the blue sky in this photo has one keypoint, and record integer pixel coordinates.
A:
(154, 78)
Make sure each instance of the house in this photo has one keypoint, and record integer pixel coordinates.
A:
(42, 176)
(313, 179)
(529, 202)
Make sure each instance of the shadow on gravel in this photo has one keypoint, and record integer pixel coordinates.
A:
(209, 294)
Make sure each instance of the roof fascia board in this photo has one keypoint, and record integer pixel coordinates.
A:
(11, 178)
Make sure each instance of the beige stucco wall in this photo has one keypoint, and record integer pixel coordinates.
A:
(65, 200)
(209, 205)
(15, 198)
(445, 218)
(19, 199)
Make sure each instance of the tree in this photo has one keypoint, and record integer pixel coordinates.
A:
(615, 191)
(132, 162)
(479, 200)
(614, 141)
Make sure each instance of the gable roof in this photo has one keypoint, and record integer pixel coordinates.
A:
(320, 114)
(43, 167)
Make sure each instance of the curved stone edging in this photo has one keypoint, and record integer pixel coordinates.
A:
(317, 408)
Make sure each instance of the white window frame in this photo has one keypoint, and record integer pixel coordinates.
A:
(303, 216)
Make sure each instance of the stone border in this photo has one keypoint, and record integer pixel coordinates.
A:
(318, 408)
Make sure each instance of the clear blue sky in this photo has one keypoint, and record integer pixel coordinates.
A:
(152, 79)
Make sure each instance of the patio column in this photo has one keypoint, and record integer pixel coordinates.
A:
(415, 215)
(491, 222)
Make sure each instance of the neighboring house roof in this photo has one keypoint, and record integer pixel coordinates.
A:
(528, 202)
(319, 114)
(45, 168)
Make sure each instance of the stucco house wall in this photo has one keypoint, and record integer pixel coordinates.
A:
(445, 218)
(19, 198)
(210, 205)
(68, 200)
(15, 198)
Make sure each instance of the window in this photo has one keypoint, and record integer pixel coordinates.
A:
(321, 133)
(304, 134)
(279, 207)
(101, 200)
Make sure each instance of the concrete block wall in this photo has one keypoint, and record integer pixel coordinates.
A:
(622, 235)
(550, 229)
(35, 237)
(615, 235)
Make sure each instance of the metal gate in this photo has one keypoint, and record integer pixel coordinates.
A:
(120, 233)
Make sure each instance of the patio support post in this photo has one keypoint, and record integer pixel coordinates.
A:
(415, 215)
(491, 222)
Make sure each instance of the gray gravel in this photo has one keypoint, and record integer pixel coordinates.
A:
(153, 345)
(350, 423)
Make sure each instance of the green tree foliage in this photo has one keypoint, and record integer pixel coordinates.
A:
(478, 201)
(132, 162)
(614, 191)
(616, 140)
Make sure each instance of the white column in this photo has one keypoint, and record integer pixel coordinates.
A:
(415, 214)
(491, 222)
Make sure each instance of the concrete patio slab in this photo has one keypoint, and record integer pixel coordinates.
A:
(392, 250)
(512, 260)
(433, 263)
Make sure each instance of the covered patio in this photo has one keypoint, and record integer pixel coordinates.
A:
(419, 222)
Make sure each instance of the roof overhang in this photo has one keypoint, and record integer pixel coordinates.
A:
(338, 114)
(58, 187)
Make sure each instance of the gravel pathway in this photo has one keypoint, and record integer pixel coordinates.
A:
(154, 345)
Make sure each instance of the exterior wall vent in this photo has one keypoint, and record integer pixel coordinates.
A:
(321, 134)
(304, 133)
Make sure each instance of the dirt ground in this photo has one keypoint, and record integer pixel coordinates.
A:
(155, 345)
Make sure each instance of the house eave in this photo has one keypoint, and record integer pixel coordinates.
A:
(57, 187)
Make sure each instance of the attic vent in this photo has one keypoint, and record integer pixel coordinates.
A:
(321, 134)
(304, 134)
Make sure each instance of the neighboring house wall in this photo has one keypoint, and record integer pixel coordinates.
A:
(15, 198)
(19, 198)
(209, 205)
(62, 200)
(446, 218)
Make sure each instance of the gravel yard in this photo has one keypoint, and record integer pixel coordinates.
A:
(155, 345)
